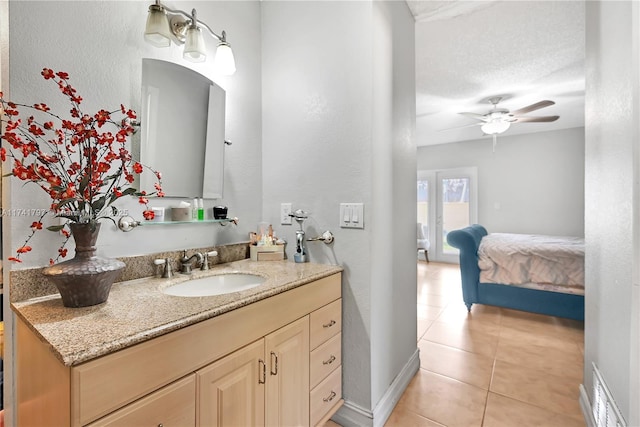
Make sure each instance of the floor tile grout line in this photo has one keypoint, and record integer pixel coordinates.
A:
(426, 418)
(452, 379)
(484, 410)
(457, 348)
(455, 379)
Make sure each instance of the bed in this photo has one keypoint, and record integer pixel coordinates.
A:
(478, 276)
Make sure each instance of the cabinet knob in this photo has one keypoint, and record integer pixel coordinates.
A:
(160, 425)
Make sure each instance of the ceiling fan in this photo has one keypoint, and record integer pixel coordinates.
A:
(498, 120)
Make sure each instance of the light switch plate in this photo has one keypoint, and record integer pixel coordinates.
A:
(351, 215)
(285, 210)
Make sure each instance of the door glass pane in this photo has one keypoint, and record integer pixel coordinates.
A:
(455, 208)
(423, 202)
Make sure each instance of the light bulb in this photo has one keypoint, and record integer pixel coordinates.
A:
(224, 63)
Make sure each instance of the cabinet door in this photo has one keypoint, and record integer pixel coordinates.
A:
(287, 352)
(231, 390)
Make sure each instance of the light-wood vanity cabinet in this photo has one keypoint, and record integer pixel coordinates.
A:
(274, 362)
(260, 384)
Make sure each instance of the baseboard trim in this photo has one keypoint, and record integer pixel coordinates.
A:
(354, 415)
(585, 405)
(385, 406)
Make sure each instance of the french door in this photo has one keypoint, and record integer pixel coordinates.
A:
(447, 200)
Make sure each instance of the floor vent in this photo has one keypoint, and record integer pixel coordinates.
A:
(605, 410)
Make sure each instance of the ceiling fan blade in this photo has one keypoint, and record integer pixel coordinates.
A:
(462, 127)
(475, 116)
(533, 107)
(542, 119)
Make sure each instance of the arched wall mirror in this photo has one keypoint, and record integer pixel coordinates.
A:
(182, 130)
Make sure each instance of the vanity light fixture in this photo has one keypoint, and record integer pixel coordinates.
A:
(165, 25)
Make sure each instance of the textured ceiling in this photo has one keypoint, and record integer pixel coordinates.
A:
(524, 51)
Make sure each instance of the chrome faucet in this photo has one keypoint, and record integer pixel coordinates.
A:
(185, 262)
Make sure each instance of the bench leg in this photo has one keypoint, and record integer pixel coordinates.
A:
(468, 306)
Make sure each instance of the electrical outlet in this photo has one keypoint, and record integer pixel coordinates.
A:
(285, 210)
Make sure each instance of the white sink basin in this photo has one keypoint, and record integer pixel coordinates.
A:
(214, 285)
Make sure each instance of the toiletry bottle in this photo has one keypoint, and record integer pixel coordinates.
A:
(200, 209)
(194, 210)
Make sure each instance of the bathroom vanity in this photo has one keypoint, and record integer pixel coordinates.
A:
(270, 355)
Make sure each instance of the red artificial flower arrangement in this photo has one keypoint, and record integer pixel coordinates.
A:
(83, 167)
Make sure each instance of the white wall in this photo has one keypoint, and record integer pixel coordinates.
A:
(338, 124)
(102, 52)
(393, 325)
(532, 183)
(317, 148)
(611, 214)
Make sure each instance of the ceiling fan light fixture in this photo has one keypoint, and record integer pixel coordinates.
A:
(495, 126)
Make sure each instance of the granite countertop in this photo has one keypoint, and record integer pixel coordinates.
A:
(137, 311)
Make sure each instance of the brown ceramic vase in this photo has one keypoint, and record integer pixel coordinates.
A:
(86, 279)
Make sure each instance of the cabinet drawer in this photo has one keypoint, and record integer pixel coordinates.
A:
(325, 323)
(325, 359)
(326, 395)
(173, 405)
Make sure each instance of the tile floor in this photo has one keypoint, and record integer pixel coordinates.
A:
(492, 367)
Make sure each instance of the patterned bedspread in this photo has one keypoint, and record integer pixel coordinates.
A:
(552, 262)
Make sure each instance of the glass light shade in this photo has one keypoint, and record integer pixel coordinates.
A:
(194, 48)
(157, 31)
(224, 63)
(495, 126)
